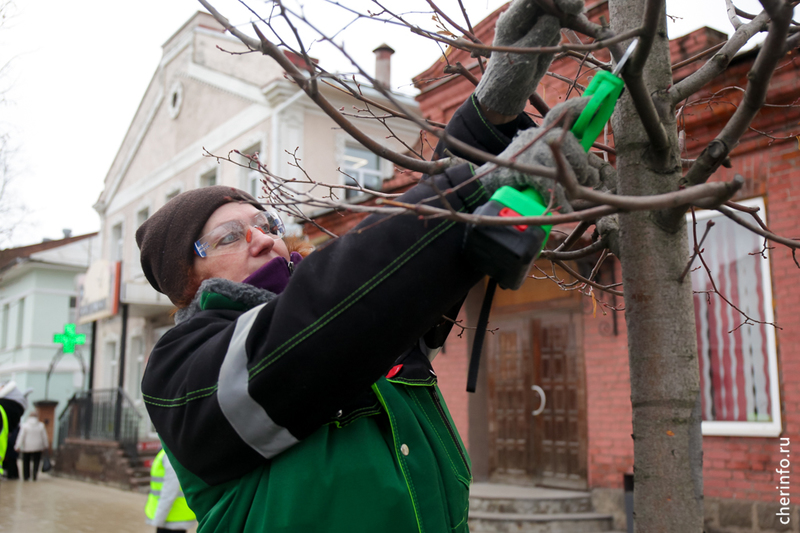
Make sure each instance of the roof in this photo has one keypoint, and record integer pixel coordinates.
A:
(10, 256)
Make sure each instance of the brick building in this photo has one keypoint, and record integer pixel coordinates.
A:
(554, 340)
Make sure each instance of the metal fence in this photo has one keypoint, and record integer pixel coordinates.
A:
(107, 414)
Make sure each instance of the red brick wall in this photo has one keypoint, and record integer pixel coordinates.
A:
(744, 467)
(608, 397)
(451, 369)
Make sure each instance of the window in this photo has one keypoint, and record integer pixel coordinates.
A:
(137, 368)
(737, 356)
(175, 99)
(6, 312)
(116, 242)
(20, 321)
(209, 179)
(251, 181)
(110, 357)
(172, 194)
(142, 215)
(136, 263)
(363, 168)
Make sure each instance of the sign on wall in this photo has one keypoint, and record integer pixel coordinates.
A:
(98, 291)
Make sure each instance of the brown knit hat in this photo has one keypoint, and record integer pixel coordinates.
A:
(166, 239)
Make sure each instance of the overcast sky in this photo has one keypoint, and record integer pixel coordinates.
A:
(79, 70)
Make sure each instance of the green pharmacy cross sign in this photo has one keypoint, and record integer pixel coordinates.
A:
(69, 339)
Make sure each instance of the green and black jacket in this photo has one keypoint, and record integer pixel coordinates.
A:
(317, 409)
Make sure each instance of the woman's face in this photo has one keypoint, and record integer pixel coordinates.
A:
(237, 266)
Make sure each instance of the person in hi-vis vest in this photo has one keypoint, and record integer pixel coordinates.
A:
(166, 506)
(13, 403)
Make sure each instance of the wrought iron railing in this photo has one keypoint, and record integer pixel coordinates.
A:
(107, 414)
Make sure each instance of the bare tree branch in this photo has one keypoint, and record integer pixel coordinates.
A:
(736, 22)
(460, 69)
(593, 248)
(467, 33)
(719, 62)
(755, 228)
(721, 192)
(585, 280)
(652, 12)
(701, 55)
(573, 237)
(486, 50)
(755, 95)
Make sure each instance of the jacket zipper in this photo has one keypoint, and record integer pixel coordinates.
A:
(450, 429)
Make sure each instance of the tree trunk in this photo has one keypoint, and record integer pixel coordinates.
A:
(662, 346)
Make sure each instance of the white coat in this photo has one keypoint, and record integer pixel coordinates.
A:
(32, 436)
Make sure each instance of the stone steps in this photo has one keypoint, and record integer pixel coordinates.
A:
(496, 508)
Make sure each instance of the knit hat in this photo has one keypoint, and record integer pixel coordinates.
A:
(166, 239)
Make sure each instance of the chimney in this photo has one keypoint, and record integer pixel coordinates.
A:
(383, 65)
(67, 233)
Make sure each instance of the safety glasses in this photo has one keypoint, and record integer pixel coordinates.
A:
(234, 235)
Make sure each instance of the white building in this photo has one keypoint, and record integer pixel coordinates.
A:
(38, 295)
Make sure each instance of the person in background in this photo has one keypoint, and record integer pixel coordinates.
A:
(13, 403)
(166, 507)
(32, 441)
(10, 461)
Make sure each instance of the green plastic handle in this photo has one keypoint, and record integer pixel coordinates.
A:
(527, 202)
(604, 89)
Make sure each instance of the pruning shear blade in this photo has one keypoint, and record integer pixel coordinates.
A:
(628, 53)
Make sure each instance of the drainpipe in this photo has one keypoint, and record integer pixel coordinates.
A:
(121, 382)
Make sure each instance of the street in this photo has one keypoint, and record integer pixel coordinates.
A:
(55, 505)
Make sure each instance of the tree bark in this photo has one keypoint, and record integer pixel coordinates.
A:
(662, 346)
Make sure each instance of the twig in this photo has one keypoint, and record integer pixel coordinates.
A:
(486, 50)
(697, 245)
(460, 69)
(368, 101)
(695, 57)
(593, 248)
(585, 280)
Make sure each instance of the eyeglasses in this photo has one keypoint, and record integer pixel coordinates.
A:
(234, 235)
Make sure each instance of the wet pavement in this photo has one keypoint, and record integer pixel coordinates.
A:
(58, 505)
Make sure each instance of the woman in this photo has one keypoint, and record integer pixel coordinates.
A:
(31, 441)
(268, 394)
(297, 394)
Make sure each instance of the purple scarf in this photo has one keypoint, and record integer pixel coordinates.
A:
(275, 275)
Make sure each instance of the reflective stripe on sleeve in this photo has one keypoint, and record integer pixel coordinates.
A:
(250, 421)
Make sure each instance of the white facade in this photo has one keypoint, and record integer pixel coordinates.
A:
(202, 100)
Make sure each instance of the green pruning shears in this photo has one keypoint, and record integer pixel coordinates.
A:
(604, 89)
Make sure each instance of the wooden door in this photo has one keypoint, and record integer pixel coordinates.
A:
(550, 448)
(509, 377)
(560, 430)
